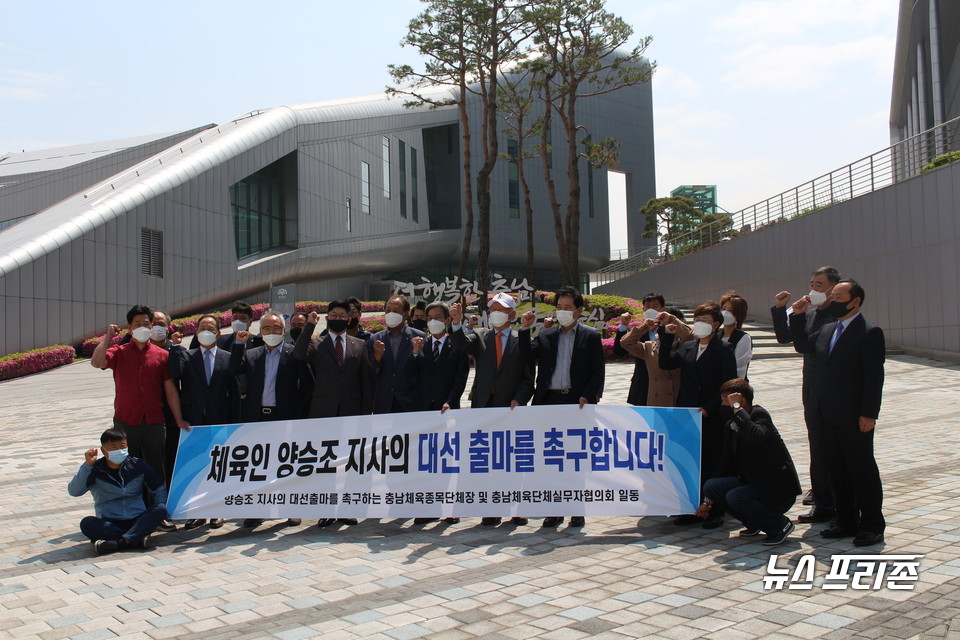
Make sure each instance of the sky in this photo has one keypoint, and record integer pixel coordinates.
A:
(754, 96)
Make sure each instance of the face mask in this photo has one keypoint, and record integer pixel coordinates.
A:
(728, 318)
(498, 318)
(436, 327)
(650, 314)
(817, 298)
(238, 325)
(565, 318)
(419, 324)
(295, 333)
(141, 334)
(338, 326)
(117, 456)
(158, 333)
(273, 339)
(392, 319)
(207, 338)
(702, 329)
(839, 309)
(353, 323)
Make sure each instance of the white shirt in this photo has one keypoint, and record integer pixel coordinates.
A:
(743, 352)
(269, 398)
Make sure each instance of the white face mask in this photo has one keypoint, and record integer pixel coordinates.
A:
(207, 338)
(728, 318)
(273, 339)
(498, 318)
(393, 319)
(817, 298)
(650, 314)
(436, 327)
(565, 318)
(158, 333)
(702, 329)
(141, 334)
(238, 325)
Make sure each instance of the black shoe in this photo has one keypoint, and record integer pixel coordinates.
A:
(347, 521)
(140, 545)
(780, 536)
(193, 524)
(578, 521)
(552, 521)
(867, 538)
(425, 520)
(749, 532)
(216, 523)
(166, 525)
(452, 520)
(252, 523)
(816, 515)
(293, 522)
(808, 499)
(687, 519)
(103, 547)
(713, 522)
(838, 532)
(490, 522)
(325, 522)
(519, 521)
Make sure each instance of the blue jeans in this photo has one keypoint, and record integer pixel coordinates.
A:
(132, 531)
(742, 502)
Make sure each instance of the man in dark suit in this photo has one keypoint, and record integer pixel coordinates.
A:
(275, 380)
(847, 357)
(760, 483)
(822, 282)
(443, 372)
(504, 370)
(570, 363)
(396, 360)
(242, 318)
(209, 393)
(341, 370)
(640, 380)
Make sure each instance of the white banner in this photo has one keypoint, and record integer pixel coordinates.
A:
(532, 461)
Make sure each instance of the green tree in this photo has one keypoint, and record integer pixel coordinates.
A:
(669, 219)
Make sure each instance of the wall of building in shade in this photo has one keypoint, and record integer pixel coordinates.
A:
(79, 264)
(902, 243)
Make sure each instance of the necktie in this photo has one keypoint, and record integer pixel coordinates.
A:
(436, 351)
(499, 348)
(208, 363)
(340, 350)
(836, 336)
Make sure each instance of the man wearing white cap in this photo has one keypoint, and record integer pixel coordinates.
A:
(504, 374)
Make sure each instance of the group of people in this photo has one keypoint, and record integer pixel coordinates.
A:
(421, 362)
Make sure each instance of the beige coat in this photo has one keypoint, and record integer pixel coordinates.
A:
(663, 386)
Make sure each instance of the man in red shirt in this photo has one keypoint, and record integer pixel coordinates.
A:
(140, 375)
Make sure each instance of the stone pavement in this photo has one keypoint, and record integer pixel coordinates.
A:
(390, 580)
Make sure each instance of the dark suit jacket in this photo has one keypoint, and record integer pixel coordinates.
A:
(495, 387)
(226, 342)
(337, 391)
(395, 378)
(700, 380)
(291, 382)
(815, 318)
(640, 382)
(848, 381)
(442, 382)
(586, 362)
(754, 451)
(202, 403)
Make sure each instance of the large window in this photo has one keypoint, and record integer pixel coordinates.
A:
(414, 188)
(257, 205)
(365, 187)
(513, 179)
(386, 167)
(403, 179)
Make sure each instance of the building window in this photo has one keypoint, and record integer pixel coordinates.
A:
(151, 252)
(513, 179)
(403, 179)
(386, 167)
(258, 211)
(349, 216)
(365, 187)
(414, 189)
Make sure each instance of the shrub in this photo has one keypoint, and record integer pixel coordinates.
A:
(22, 364)
(940, 160)
(373, 324)
(90, 344)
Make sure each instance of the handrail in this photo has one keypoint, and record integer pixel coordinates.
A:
(898, 162)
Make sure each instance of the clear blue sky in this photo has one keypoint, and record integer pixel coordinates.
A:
(754, 96)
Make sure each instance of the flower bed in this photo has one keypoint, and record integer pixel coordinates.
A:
(22, 364)
(90, 344)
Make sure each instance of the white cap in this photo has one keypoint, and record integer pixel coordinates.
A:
(506, 300)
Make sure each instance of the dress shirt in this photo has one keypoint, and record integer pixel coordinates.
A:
(209, 361)
(139, 376)
(561, 373)
(840, 328)
(395, 339)
(269, 398)
(701, 348)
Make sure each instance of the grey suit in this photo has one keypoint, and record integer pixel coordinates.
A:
(493, 386)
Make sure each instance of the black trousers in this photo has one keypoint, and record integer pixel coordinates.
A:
(819, 459)
(854, 475)
(146, 441)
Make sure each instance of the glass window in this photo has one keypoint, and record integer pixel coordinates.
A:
(365, 187)
(403, 179)
(386, 167)
(257, 207)
(413, 187)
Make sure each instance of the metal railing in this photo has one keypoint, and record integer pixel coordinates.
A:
(906, 159)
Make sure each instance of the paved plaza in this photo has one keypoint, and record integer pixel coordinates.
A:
(390, 580)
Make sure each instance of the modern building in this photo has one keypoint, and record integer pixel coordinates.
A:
(340, 197)
(705, 195)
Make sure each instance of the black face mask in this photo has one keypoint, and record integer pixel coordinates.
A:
(337, 326)
(839, 309)
(353, 323)
(295, 333)
(419, 324)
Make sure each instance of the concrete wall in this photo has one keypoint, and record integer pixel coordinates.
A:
(900, 243)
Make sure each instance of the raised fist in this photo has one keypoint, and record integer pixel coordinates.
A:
(313, 318)
(456, 313)
(801, 305)
(625, 319)
(781, 299)
(548, 322)
(417, 344)
(528, 318)
(176, 338)
(243, 336)
(90, 456)
(112, 331)
(378, 349)
(671, 329)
